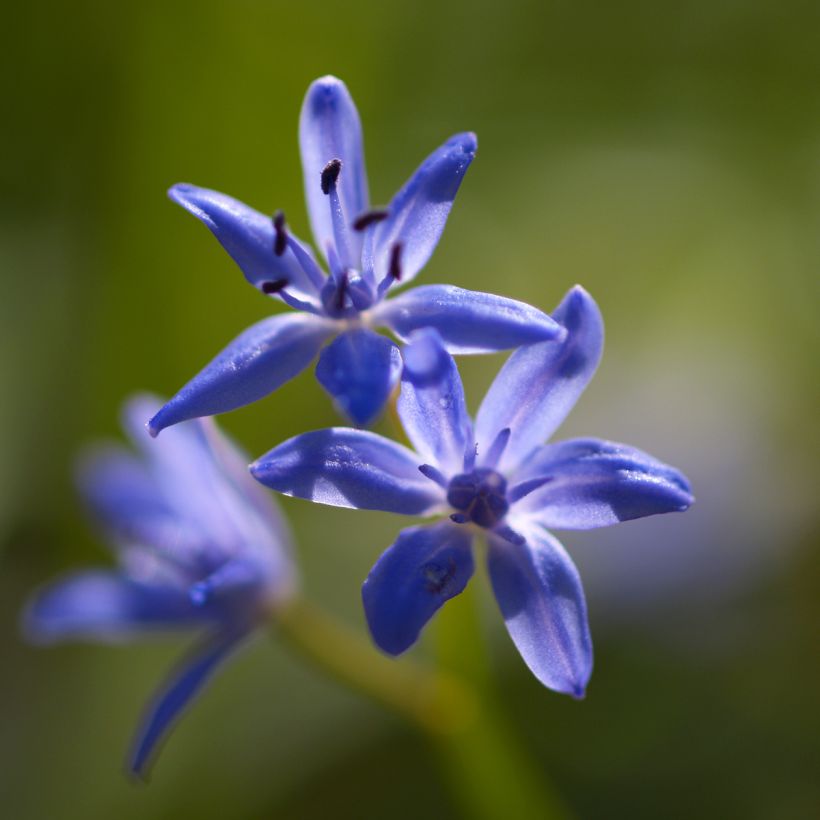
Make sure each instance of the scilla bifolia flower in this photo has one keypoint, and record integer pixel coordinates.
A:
(199, 548)
(369, 252)
(495, 479)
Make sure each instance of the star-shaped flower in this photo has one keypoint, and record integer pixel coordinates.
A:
(201, 547)
(495, 478)
(369, 254)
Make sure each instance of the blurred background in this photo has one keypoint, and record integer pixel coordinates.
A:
(667, 156)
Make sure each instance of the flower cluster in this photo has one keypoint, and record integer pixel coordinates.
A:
(201, 546)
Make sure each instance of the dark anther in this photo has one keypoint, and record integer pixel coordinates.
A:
(274, 286)
(330, 173)
(394, 270)
(459, 518)
(369, 218)
(280, 241)
(479, 496)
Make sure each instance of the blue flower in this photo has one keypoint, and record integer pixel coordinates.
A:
(369, 254)
(201, 547)
(496, 478)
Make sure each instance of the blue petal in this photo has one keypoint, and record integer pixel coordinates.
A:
(184, 684)
(359, 369)
(247, 236)
(419, 210)
(467, 320)
(257, 362)
(539, 384)
(431, 404)
(349, 468)
(103, 606)
(424, 568)
(594, 483)
(329, 128)
(540, 596)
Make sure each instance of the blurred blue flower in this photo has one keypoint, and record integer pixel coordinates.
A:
(496, 478)
(201, 547)
(368, 252)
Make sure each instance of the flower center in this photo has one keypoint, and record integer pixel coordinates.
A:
(480, 496)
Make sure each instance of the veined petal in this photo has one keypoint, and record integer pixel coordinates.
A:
(594, 483)
(359, 369)
(103, 606)
(539, 592)
(424, 568)
(185, 683)
(539, 384)
(248, 237)
(258, 361)
(468, 321)
(349, 468)
(419, 210)
(329, 128)
(431, 403)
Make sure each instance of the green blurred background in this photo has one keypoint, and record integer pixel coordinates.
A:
(667, 156)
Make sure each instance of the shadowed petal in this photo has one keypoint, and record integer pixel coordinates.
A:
(349, 468)
(431, 403)
(594, 483)
(540, 596)
(258, 361)
(248, 237)
(468, 321)
(359, 369)
(185, 683)
(103, 606)
(539, 384)
(424, 568)
(419, 210)
(329, 128)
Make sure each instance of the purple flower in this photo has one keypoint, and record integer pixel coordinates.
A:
(369, 254)
(200, 547)
(496, 478)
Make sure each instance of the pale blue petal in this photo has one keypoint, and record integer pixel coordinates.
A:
(431, 404)
(329, 128)
(539, 592)
(539, 384)
(594, 483)
(424, 568)
(359, 369)
(419, 210)
(349, 468)
(255, 364)
(468, 321)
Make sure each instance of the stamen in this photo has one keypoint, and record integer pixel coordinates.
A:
(341, 291)
(509, 534)
(280, 241)
(369, 218)
(330, 173)
(394, 269)
(274, 286)
(433, 473)
(470, 454)
(459, 518)
(497, 448)
(526, 487)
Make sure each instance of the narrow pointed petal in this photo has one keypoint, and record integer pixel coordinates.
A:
(329, 128)
(420, 209)
(349, 468)
(539, 592)
(185, 683)
(595, 483)
(359, 369)
(539, 384)
(431, 403)
(468, 321)
(103, 606)
(255, 364)
(423, 569)
(247, 236)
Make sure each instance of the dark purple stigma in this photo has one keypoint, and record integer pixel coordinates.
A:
(330, 173)
(280, 240)
(394, 269)
(479, 496)
(368, 218)
(274, 286)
